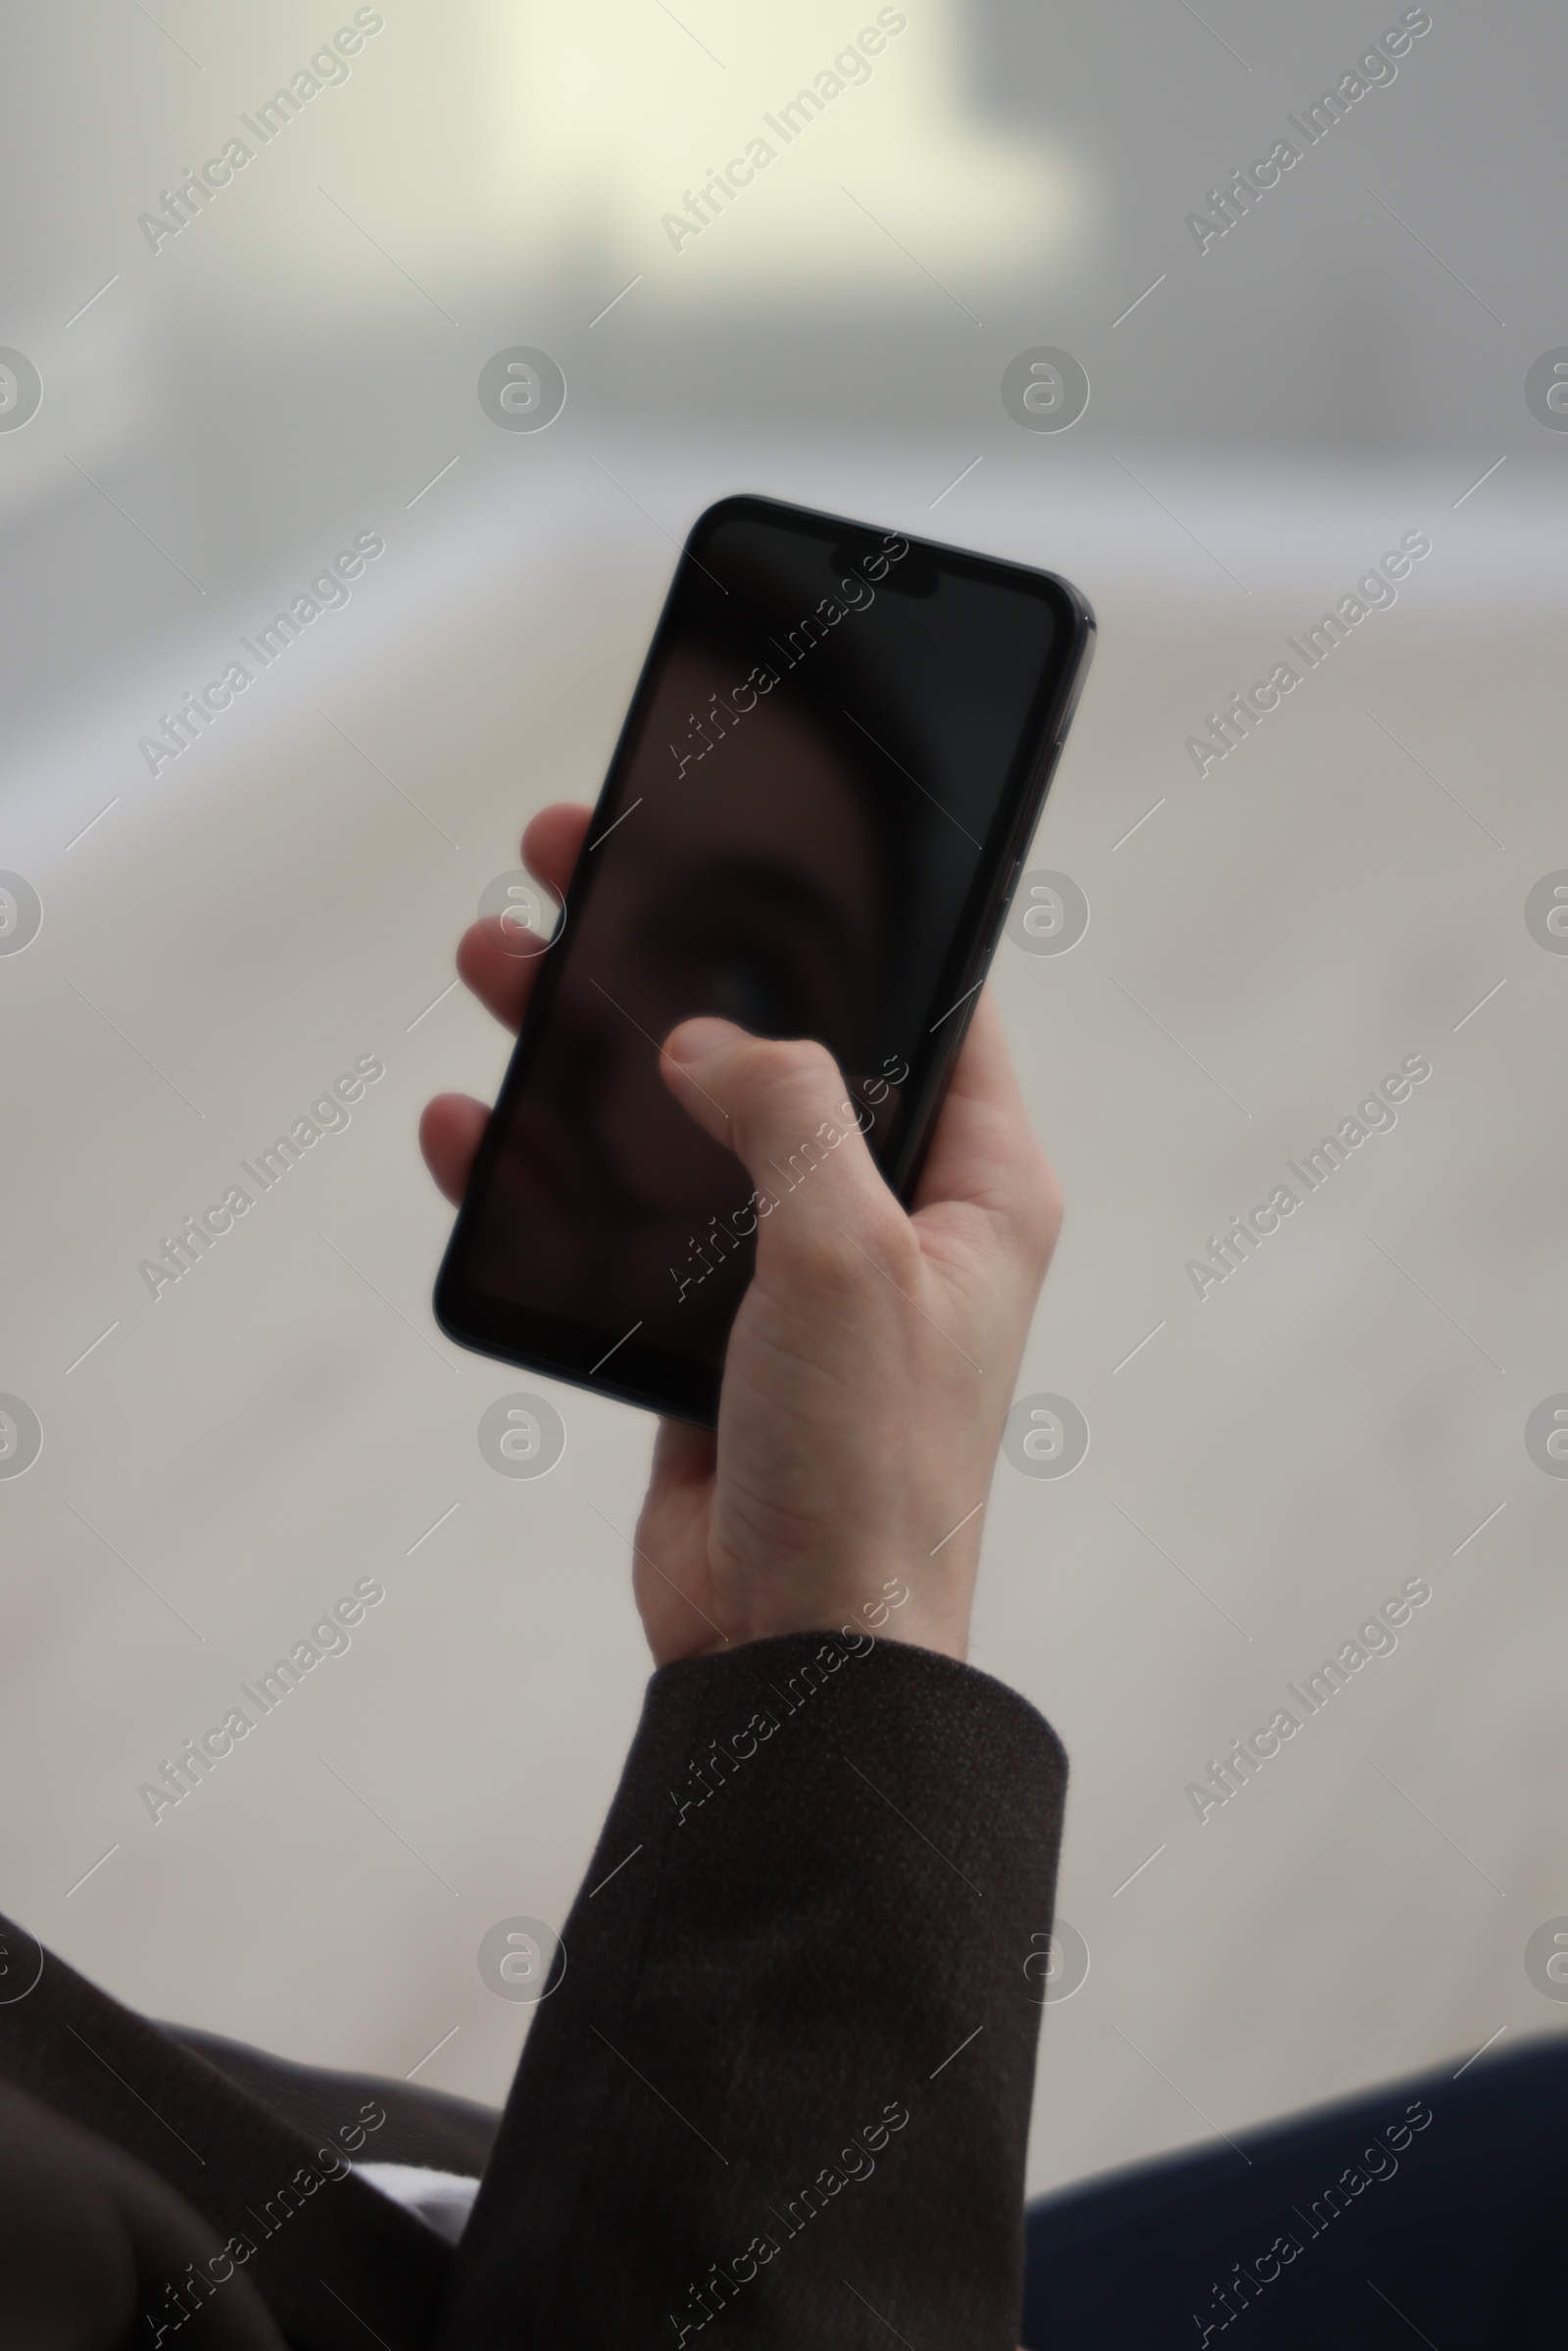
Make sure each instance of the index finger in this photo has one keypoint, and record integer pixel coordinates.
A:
(502, 979)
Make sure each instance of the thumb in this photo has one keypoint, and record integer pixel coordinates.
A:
(781, 1107)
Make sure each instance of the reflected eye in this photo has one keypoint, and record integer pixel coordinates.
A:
(754, 946)
(756, 991)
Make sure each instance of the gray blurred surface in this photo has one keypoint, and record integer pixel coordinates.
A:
(1345, 889)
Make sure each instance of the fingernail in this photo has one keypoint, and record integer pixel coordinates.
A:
(695, 1040)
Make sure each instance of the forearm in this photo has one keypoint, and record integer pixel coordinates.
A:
(785, 2082)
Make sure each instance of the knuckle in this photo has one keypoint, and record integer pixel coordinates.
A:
(1039, 1211)
(774, 1061)
(884, 1250)
(781, 1089)
(766, 1062)
(895, 1247)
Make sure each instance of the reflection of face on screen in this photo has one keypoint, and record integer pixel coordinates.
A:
(756, 896)
(797, 821)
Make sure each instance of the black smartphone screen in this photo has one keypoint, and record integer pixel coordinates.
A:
(833, 759)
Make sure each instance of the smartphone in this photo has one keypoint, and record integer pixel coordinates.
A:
(814, 820)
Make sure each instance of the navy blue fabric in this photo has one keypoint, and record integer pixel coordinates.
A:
(1359, 2226)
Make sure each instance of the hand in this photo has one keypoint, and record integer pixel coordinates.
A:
(873, 1359)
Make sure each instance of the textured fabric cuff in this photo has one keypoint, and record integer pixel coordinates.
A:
(782, 2091)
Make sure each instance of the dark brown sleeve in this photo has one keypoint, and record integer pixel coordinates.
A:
(780, 2095)
(153, 2140)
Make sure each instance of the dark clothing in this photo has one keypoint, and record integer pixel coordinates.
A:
(1426, 2212)
(422, 2125)
(780, 2096)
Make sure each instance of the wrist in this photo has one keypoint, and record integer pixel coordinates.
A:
(884, 1607)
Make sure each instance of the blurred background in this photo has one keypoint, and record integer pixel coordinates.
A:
(193, 423)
